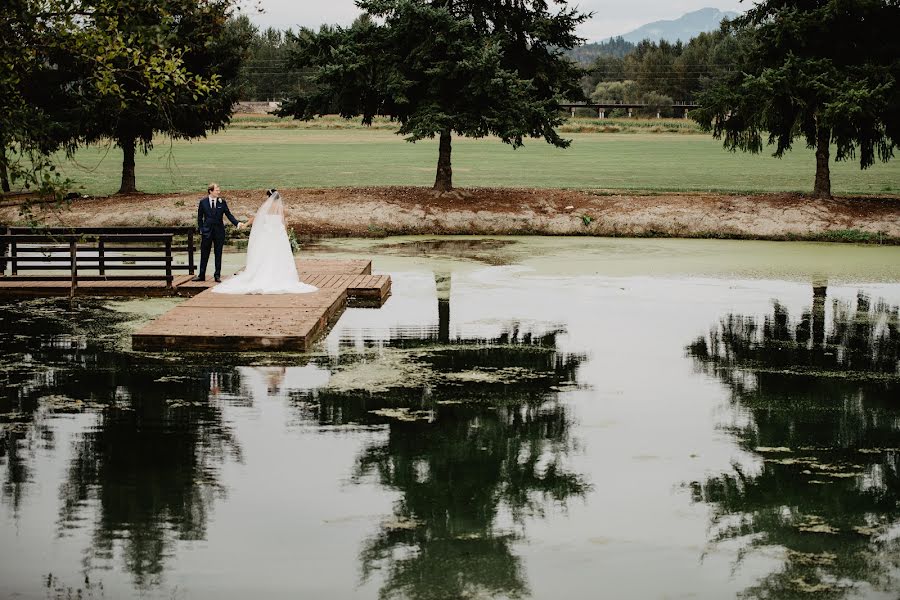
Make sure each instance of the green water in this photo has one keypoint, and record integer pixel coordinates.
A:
(525, 417)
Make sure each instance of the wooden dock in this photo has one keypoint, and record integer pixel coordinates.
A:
(325, 273)
(133, 288)
(232, 322)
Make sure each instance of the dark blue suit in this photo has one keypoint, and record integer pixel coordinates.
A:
(212, 231)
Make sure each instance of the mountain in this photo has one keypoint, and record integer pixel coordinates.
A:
(683, 28)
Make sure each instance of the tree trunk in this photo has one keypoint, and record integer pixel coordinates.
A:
(444, 180)
(822, 187)
(128, 183)
(4, 175)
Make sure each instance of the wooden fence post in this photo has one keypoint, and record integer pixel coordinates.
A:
(169, 262)
(3, 247)
(73, 255)
(191, 267)
(101, 257)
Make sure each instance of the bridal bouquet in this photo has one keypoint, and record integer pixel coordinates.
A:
(292, 237)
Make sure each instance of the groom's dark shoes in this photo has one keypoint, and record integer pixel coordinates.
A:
(199, 278)
(218, 279)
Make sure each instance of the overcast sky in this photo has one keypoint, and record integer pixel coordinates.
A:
(611, 17)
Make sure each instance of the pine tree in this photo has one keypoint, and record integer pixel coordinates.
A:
(442, 67)
(826, 71)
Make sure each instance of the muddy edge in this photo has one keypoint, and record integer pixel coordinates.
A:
(377, 212)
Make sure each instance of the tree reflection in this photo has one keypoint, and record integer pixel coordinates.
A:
(151, 468)
(817, 403)
(43, 344)
(146, 471)
(474, 449)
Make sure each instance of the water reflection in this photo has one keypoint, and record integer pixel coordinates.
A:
(475, 447)
(146, 468)
(816, 401)
(44, 356)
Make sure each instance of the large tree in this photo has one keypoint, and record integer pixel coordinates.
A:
(75, 71)
(825, 71)
(194, 101)
(39, 90)
(439, 67)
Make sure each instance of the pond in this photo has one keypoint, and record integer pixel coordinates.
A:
(524, 417)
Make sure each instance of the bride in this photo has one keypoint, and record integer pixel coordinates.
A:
(270, 263)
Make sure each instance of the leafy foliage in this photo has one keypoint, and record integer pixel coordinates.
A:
(78, 71)
(676, 70)
(189, 41)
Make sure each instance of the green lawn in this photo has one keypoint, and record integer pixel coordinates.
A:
(261, 158)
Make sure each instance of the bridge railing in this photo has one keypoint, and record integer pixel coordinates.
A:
(95, 254)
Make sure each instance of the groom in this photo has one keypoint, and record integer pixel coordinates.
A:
(209, 220)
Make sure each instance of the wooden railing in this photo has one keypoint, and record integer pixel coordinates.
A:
(90, 254)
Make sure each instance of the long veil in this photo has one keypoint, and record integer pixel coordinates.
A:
(270, 267)
(272, 208)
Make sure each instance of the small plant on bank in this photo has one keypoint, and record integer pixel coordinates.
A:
(586, 220)
(853, 236)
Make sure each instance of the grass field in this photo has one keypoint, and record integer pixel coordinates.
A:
(256, 158)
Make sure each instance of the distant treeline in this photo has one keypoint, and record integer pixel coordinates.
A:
(655, 73)
(266, 73)
(586, 54)
(663, 72)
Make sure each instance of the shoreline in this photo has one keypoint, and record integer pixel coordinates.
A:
(385, 211)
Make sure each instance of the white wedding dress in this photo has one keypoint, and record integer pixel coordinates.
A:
(270, 262)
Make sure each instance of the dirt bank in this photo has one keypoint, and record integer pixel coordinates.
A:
(391, 211)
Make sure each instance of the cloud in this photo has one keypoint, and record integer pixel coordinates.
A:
(610, 18)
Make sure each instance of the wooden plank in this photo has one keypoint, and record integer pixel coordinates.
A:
(358, 282)
(320, 298)
(330, 265)
(181, 280)
(374, 286)
(330, 280)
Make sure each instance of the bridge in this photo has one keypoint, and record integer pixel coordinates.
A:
(681, 108)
